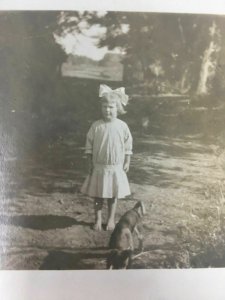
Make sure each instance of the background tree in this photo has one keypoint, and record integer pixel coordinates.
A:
(162, 53)
(168, 52)
(30, 73)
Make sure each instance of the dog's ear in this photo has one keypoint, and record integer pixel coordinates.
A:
(141, 208)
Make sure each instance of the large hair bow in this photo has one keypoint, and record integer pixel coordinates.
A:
(104, 89)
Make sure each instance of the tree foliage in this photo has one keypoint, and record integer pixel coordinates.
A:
(160, 49)
(162, 53)
(30, 71)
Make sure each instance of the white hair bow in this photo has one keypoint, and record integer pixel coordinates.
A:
(104, 89)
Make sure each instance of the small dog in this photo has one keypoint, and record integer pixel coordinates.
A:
(121, 241)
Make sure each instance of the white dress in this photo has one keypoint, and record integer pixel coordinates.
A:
(108, 142)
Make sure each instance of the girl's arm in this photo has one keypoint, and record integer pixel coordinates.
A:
(88, 149)
(126, 164)
(128, 149)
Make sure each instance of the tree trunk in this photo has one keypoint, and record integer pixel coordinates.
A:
(209, 62)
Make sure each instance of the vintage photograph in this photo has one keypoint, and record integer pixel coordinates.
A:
(112, 140)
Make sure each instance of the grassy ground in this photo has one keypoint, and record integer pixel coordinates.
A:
(46, 223)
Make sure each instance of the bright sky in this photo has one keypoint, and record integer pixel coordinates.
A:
(85, 44)
(82, 45)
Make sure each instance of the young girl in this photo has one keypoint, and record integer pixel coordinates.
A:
(108, 148)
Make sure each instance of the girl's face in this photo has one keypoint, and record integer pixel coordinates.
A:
(109, 110)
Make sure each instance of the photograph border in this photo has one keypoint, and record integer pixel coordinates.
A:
(144, 284)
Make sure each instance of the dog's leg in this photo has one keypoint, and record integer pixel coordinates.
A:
(129, 239)
(140, 238)
(111, 259)
(119, 259)
(126, 256)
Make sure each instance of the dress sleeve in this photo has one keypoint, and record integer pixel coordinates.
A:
(89, 141)
(128, 141)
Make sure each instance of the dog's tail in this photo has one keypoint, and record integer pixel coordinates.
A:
(138, 205)
(119, 259)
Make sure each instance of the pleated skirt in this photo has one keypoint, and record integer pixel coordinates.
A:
(106, 181)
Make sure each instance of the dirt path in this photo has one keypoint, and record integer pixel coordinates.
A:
(46, 222)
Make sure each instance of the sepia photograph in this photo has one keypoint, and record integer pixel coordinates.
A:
(112, 140)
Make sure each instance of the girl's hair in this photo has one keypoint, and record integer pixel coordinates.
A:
(114, 97)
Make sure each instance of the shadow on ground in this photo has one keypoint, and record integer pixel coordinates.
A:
(84, 259)
(41, 222)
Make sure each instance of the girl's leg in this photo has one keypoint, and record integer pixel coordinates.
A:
(98, 203)
(112, 202)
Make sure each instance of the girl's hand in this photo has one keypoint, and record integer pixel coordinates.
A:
(126, 166)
